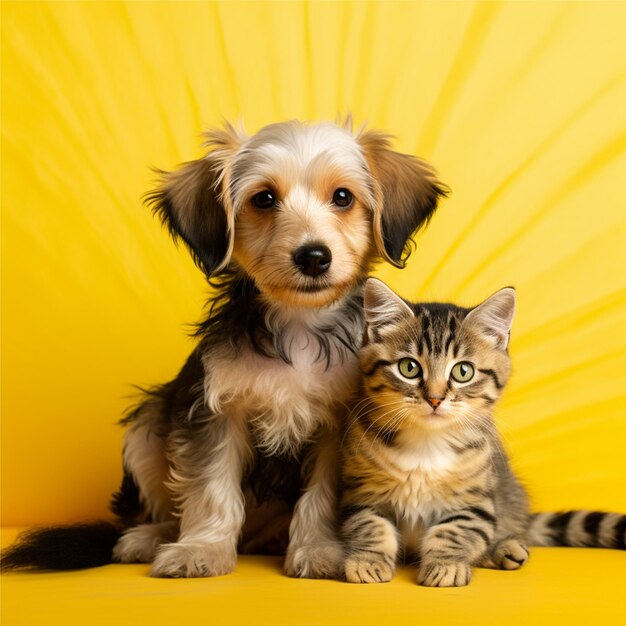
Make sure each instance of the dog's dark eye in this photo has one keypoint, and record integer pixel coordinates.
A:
(264, 200)
(342, 198)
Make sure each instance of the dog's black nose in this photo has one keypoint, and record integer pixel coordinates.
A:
(312, 260)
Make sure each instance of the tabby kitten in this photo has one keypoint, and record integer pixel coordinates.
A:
(424, 471)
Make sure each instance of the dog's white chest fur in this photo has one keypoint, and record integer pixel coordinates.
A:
(283, 403)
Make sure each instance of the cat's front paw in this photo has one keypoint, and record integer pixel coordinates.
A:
(322, 560)
(509, 554)
(444, 574)
(367, 567)
(194, 560)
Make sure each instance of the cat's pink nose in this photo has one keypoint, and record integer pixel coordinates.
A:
(434, 402)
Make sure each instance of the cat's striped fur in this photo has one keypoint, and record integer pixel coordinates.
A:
(424, 472)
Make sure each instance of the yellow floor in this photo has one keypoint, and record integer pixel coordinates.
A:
(558, 586)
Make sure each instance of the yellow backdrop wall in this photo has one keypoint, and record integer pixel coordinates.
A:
(519, 105)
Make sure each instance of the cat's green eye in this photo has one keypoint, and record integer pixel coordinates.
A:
(462, 372)
(409, 368)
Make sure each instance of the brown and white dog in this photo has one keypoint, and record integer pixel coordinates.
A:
(286, 225)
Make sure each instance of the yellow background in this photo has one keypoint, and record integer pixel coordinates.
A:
(521, 107)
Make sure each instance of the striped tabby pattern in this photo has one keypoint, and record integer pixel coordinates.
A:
(425, 476)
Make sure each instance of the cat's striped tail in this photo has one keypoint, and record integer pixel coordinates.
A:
(584, 529)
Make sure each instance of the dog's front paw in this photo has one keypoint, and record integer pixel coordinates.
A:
(139, 544)
(322, 560)
(194, 560)
(135, 546)
(444, 574)
(367, 567)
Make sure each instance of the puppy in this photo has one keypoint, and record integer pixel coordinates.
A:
(286, 225)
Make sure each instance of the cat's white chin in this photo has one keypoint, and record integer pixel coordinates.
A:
(439, 412)
(424, 417)
(435, 419)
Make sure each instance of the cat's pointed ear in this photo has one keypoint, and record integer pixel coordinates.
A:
(382, 305)
(494, 317)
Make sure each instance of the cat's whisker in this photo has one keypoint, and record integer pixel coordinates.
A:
(368, 408)
(392, 426)
(372, 424)
(380, 418)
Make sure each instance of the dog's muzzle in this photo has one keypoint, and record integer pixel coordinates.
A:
(312, 260)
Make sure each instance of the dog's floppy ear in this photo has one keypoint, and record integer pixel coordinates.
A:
(194, 203)
(406, 193)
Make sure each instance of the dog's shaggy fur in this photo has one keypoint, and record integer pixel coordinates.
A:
(286, 225)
